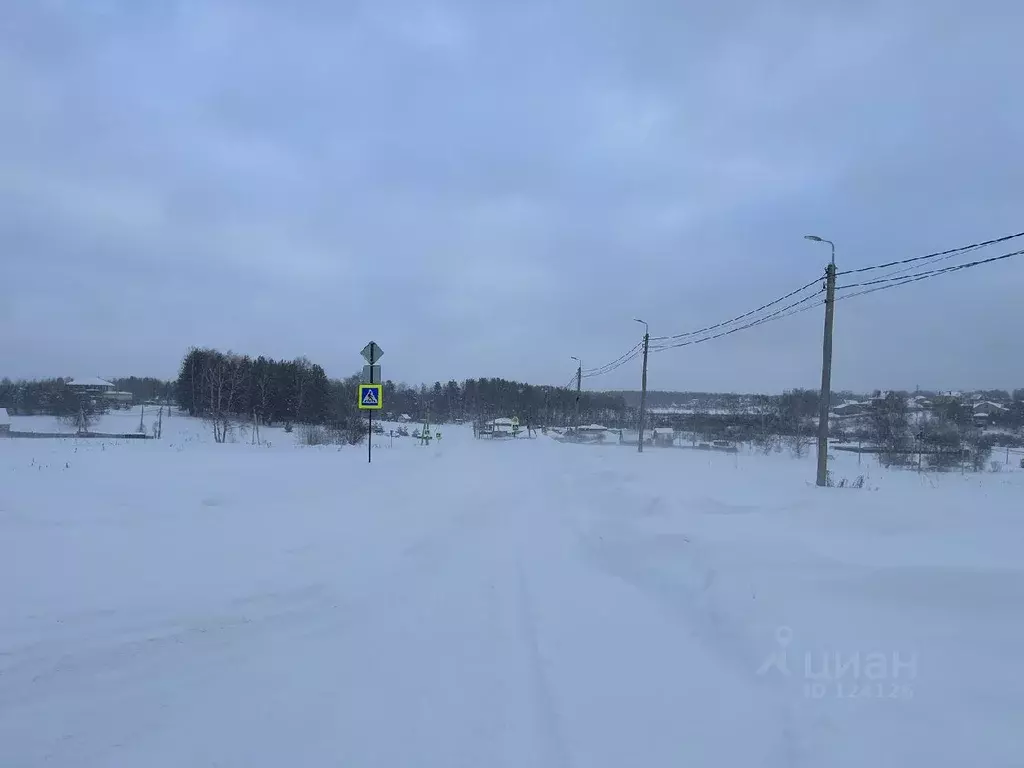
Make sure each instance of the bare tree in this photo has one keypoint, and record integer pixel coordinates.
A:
(223, 379)
(303, 377)
(82, 412)
(195, 374)
(263, 382)
(890, 428)
(766, 411)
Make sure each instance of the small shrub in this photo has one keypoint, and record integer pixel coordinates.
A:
(314, 435)
(995, 466)
(830, 482)
(288, 427)
(354, 433)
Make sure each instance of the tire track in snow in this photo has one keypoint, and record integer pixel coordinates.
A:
(614, 547)
(115, 655)
(545, 712)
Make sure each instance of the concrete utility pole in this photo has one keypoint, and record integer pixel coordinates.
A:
(579, 385)
(825, 399)
(643, 388)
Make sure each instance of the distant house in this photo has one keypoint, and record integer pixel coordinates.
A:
(501, 427)
(663, 439)
(90, 384)
(5, 422)
(988, 408)
(851, 409)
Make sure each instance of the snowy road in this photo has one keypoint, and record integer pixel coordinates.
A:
(501, 605)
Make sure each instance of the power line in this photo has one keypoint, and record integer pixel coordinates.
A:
(613, 362)
(876, 285)
(931, 272)
(947, 257)
(950, 252)
(616, 363)
(739, 317)
(632, 356)
(891, 280)
(778, 314)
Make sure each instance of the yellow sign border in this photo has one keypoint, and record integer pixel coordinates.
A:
(380, 397)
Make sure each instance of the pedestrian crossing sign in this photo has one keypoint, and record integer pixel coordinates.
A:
(371, 397)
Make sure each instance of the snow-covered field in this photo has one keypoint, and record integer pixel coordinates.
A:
(512, 603)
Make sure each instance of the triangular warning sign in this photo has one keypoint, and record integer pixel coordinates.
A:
(369, 396)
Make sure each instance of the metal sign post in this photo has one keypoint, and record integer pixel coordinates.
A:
(371, 391)
(371, 398)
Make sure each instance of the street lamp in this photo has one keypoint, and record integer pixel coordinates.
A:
(643, 386)
(579, 384)
(825, 398)
(817, 239)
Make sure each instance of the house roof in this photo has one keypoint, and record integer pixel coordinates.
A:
(90, 381)
(5, 420)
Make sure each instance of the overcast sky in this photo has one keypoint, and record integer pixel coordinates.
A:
(486, 187)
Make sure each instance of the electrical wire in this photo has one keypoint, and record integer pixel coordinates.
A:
(621, 360)
(738, 317)
(950, 252)
(947, 257)
(778, 314)
(636, 350)
(632, 356)
(893, 279)
(913, 278)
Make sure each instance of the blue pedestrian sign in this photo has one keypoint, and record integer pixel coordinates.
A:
(371, 397)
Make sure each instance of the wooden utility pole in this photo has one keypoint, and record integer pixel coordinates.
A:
(643, 392)
(579, 386)
(825, 398)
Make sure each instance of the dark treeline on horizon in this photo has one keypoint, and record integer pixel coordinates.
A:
(299, 391)
(212, 383)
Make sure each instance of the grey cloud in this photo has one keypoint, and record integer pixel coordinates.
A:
(488, 188)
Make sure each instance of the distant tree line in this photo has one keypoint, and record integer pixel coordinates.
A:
(225, 387)
(145, 388)
(489, 398)
(51, 397)
(721, 400)
(31, 398)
